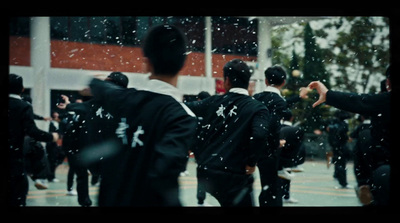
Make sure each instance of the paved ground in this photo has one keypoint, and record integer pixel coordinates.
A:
(313, 187)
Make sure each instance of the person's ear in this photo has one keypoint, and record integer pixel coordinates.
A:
(148, 67)
(227, 84)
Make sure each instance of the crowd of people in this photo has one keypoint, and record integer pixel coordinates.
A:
(136, 141)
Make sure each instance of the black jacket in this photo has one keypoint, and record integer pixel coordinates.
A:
(337, 134)
(155, 131)
(233, 132)
(100, 124)
(278, 108)
(21, 123)
(294, 138)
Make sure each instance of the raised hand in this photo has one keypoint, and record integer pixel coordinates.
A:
(321, 89)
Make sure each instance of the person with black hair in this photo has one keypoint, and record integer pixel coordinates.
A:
(233, 133)
(271, 97)
(377, 106)
(155, 128)
(20, 123)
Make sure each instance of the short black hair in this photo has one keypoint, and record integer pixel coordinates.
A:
(15, 84)
(238, 73)
(118, 78)
(275, 75)
(203, 95)
(165, 47)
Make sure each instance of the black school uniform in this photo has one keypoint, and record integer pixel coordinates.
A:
(363, 153)
(20, 123)
(294, 138)
(268, 164)
(232, 134)
(155, 130)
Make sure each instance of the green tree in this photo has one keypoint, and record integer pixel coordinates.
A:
(314, 68)
(364, 48)
(294, 80)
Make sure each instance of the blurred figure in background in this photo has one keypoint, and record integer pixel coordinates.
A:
(293, 135)
(337, 130)
(20, 123)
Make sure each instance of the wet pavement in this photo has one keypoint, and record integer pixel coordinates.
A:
(313, 187)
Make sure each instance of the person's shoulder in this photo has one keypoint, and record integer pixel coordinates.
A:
(173, 107)
(266, 95)
(256, 105)
(19, 103)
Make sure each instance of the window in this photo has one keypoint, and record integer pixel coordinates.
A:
(234, 35)
(19, 26)
(59, 28)
(127, 30)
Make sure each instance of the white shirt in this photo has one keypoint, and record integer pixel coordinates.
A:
(15, 96)
(239, 91)
(162, 87)
(284, 122)
(274, 90)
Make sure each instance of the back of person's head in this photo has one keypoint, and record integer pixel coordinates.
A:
(165, 48)
(238, 73)
(203, 95)
(287, 116)
(15, 84)
(275, 75)
(118, 78)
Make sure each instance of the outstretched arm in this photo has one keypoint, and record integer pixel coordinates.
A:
(367, 104)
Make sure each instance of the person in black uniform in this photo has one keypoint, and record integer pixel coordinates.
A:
(362, 157)
(337, 130)
(73, 143)
(275, 79)
(20, 123)
(293, 135)
(233, 133)
(55, 153)
(377, 106)
(37, 165)
(155, 128)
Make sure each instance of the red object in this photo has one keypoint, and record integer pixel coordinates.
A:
(219, 86)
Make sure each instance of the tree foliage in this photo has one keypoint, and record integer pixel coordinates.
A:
(353, 61)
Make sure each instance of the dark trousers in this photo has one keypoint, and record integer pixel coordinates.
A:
(17, 187)
(271, 192)
(201, 190)
(36, 162)
(82, 179)
(285, 188)
(340, 157)
(381, 185)
(230, 189)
